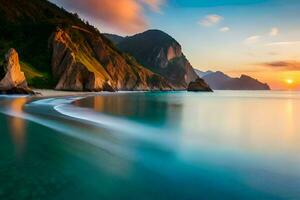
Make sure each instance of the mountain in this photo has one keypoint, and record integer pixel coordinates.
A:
(116, 39)
(202, 73)
(58, 50)
(220, 81)
(161, 54)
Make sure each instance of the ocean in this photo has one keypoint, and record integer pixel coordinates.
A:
(151, 145)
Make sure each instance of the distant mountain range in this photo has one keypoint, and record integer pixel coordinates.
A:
(220, 81)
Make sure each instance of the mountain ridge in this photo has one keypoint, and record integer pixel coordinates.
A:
(159, 52)
(221, 81)
(83, 52)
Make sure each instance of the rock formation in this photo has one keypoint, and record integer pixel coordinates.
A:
(198, 85)
(160, 53)
(88, 63)
(13, 81)
(14, 77)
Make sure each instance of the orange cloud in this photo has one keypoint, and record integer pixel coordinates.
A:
(127, 16)
(284, 65)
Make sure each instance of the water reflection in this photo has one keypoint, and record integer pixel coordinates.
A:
(17, 125)
(261, 126)
(253, 123)
(142, 107)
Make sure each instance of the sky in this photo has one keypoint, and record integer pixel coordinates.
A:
(260, 38)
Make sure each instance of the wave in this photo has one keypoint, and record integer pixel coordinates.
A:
(118, 125)
(114, 126)
(65, 107)
(64, 128)
(56, 101)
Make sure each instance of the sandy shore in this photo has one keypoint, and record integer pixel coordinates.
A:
(56, 93)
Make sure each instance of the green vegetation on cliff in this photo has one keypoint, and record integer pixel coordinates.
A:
(27, 27)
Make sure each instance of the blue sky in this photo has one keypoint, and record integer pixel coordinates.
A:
(255, 35)
(212, 3)
(202, 43)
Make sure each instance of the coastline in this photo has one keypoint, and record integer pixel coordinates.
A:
(59, 93)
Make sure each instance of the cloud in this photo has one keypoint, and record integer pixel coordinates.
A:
(154, 5)
(283, 65)
(286, 43)
(252, 39)
(274, 31)
(211, 20)
(255, 38)
(224, 29)
(126, 16)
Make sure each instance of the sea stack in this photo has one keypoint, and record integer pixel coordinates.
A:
(13, 80)
(198, 85)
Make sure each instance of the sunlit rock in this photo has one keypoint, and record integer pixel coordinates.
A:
(13, 81)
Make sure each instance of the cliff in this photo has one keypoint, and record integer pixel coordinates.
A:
(88, 63)
(60, 51)
(161, 54)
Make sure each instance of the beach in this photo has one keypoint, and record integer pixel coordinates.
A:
(59, 93)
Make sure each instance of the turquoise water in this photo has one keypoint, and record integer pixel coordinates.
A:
(177, 145)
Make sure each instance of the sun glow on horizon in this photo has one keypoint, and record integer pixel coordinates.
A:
(277, 80)
(289, 81)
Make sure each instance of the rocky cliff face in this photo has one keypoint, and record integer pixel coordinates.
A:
(160, 53)
(14, 77)
(13, 80)
(82, 60)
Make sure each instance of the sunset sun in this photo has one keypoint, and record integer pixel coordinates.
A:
(289, 81)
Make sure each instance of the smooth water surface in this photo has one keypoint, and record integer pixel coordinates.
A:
(176, 145)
